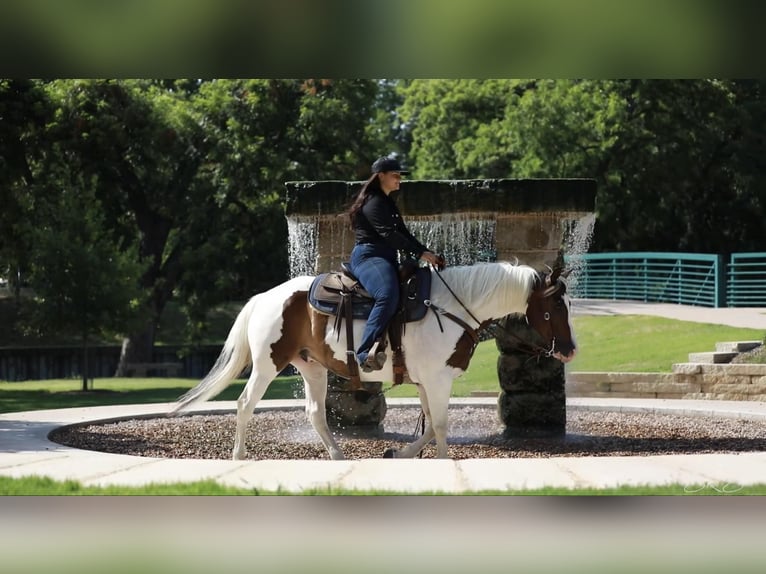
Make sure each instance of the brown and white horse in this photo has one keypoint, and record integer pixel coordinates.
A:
(279, 327)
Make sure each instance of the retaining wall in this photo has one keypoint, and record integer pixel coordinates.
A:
(735, 382)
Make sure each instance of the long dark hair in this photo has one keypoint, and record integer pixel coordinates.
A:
(369, 187)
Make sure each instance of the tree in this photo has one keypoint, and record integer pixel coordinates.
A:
(678, 163)
(191, 174)
(83, 282)
(453, 126)
(24, 112)
(143, 150)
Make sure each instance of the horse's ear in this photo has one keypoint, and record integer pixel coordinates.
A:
(554, 276)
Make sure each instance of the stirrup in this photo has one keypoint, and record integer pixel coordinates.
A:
(374, 362)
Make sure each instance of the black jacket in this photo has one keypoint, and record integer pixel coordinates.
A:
(379, 221)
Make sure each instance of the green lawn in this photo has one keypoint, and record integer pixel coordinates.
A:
(638, 343)
(59, 393)
(43, 486)
(619, 343)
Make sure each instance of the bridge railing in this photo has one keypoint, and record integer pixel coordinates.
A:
(736, 280)
(746, 280)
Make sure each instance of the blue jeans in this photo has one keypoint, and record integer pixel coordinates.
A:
(376, 268)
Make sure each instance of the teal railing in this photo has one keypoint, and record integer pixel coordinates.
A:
(746, 280)
(684, 278)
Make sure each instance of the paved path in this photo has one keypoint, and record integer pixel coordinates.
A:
(749, 317)
(25, 449)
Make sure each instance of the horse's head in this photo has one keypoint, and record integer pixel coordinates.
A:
(548, 314)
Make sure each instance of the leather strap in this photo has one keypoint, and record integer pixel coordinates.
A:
(353, 366)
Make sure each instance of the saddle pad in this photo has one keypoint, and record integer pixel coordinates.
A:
(325, 295)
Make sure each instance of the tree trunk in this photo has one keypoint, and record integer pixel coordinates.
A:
(85, 366)
(137, 347)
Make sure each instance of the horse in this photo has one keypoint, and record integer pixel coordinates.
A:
(279, 327)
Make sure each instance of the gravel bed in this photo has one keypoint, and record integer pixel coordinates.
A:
(475, 432)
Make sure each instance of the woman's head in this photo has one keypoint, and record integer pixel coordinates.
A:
(386, 177)
(389, 173)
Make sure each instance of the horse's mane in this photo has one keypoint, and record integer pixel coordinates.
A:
(513, 283)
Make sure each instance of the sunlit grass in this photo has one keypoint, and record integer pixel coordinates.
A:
(625, 343)
(44, 486)
(65, 393)
(638, 343)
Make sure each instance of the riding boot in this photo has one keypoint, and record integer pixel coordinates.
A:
(376, 357)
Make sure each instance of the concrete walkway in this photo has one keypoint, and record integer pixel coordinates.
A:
(25, 449)
(747, 317)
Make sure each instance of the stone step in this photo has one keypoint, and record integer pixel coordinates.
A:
(737, 346)
(712, 357)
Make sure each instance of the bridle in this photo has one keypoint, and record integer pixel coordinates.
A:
(533, 350)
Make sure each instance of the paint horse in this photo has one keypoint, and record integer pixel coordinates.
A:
(279, 327)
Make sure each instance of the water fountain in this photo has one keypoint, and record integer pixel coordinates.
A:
(535, 221)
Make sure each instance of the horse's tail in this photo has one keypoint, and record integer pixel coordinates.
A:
(235, 357)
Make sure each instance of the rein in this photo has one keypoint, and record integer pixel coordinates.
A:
(439, 275)
(534, 351)
(473, 333)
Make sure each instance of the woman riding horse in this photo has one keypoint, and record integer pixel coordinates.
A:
(379, 233)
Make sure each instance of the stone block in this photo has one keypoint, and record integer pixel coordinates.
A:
(740, 389)
(668, 387)
(582, 388)
(586, 377)
(712, 357)
(718, 379)
(737, 346)
(687, 368)
(735, 369)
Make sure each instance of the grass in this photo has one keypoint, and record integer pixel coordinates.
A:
(65, 393)
(43, 486)
(619, 343)
(638, 343)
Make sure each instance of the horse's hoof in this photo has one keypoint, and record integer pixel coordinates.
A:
(389, 453)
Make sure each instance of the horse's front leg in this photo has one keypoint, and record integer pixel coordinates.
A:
(315, 384)
(414, 448)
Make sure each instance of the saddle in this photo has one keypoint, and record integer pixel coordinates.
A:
(340, 294)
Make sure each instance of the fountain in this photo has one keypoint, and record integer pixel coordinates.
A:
(535, 221)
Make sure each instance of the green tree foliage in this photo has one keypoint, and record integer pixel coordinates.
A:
(189, 175)
(24, 114)
(179, 183)
(84, 284)
(678, 163)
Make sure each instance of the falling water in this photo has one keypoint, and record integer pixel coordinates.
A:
(302, 245)
(578, 236)
(461, 238)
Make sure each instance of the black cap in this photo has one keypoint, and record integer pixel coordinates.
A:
(388, 164)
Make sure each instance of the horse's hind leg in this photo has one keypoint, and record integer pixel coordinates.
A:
(315, 383)
(254, 390)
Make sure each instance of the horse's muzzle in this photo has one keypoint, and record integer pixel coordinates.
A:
(565, 358)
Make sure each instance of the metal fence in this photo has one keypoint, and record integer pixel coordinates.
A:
(746, 280)
(711, 280)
